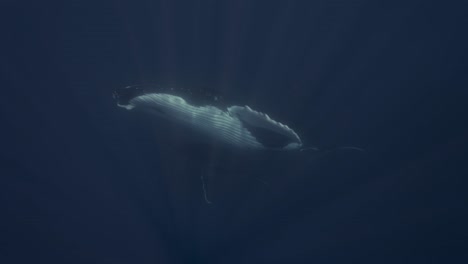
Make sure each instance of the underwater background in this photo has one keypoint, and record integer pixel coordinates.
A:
(84, 181)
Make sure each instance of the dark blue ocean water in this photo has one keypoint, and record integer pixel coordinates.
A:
(83, 181)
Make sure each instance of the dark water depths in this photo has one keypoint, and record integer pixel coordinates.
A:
(83, 181)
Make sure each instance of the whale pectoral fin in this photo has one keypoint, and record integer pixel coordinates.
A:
(267, 137)
(270, 133)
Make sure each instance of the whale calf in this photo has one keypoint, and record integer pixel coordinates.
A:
(236, 126)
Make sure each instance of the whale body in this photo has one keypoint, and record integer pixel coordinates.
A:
(236, 126)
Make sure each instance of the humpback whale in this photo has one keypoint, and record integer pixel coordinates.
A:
(237, 126)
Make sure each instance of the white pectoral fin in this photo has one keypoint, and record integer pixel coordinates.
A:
(261, 120)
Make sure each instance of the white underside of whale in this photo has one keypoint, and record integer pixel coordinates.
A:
(225, 126)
